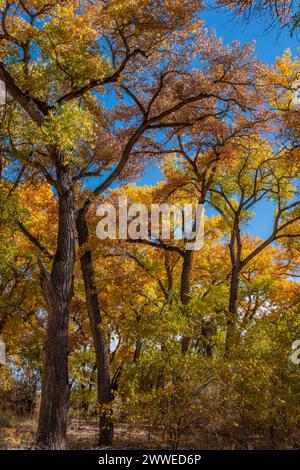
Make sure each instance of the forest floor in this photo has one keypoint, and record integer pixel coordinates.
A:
(19, 432)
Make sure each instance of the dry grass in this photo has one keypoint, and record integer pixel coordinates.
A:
(19, 432)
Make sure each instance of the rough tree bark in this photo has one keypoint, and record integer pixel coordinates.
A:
(57, 289)
(186, 342)
(232, 318)
(235, 248)
(106, 429)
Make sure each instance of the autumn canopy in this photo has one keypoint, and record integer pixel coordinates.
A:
(185, 346)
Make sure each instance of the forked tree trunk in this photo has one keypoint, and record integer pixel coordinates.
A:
(106, 429)
(57, 289)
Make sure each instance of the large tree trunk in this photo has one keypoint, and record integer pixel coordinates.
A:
(186, 342)
(106, 430)
(57, 290)
(232, 318)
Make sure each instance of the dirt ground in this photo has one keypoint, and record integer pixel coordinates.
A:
(19, 432)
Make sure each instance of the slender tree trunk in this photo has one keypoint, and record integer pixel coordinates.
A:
(207, 332)
(57, 289)
(231, 337)
(137, 350)
(186, 342)
(106, 430)
(235, 248)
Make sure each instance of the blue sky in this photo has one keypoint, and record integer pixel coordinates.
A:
(268, 46)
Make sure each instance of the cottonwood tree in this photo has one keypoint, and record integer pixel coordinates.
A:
(56, 60)
(264, 176)
(257, 175)
(134, 285)
(207, 159)
(60, 53)
(233, 178)
(196, 155)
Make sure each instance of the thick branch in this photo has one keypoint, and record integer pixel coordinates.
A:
(34, 240)
(33, 107)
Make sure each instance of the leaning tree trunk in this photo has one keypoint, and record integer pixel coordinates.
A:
(232, 318)
(106, 429)
(57, 289)
(186, 342)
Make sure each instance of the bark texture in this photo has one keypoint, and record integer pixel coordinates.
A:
(185, 292)
(57, 289)
(106, 429)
